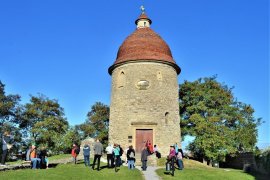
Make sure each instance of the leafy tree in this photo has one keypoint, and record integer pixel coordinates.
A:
(44, 119)
(97, 123)
(219, 123)
(9, 105)
(9, 108)
(64, 142)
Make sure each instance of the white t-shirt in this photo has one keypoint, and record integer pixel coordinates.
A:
(109, 149)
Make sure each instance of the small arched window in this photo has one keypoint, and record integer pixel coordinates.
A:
(121, 79)
(166, 117)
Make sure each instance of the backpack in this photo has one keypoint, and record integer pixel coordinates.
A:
(131, 155)
(121, 151)
(158, 155)
(77, 150)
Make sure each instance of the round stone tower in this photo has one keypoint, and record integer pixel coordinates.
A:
(144, 96)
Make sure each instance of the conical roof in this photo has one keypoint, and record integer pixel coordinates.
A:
(144, 45)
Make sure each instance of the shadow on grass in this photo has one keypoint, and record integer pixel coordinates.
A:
(53, 165)
(168, 173)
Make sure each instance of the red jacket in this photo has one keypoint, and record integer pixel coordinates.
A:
(73, 152)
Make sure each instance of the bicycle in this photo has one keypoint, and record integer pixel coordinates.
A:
(170, 166)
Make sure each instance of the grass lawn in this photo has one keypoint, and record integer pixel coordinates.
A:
(200, 174)
(71, 171)
(52, 158)
(60, 156)
(194, 170)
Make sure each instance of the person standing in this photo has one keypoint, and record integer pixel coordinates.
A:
(131, 157)
(98, 149)
(172, 153)
(180, 159)
(74, 153)
(6, 145)
(86, 154)
(109, 151)
(176, 148)
(116, 152)
(144, 156)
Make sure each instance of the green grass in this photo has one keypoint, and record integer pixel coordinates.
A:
(209, 174)
(52, 158)
(71, 171)
(197, 171)
(60, 156)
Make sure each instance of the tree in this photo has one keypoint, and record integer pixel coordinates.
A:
(9, 108)
(44, 119)
(64, 142)
(9, 105)
(97, 122)
(219, 123)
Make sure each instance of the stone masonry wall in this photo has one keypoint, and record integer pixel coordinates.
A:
(145, 96)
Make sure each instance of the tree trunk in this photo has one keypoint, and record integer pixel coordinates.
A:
(204, 161)
(211, 163)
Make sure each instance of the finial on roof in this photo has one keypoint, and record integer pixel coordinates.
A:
(142, 9)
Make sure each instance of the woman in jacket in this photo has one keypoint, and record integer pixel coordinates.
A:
(131, 157)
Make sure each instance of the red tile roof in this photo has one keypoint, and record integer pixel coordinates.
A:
(144, 45)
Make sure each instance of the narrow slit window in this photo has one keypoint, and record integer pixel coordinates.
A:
(166, 117)
(121, 80)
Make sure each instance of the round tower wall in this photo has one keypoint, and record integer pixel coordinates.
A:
(144, 96)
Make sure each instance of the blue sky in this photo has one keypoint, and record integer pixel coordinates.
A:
(63, 48)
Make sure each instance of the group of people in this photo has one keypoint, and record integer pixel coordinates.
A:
(38, 157)
(114, 153)
(176, 155)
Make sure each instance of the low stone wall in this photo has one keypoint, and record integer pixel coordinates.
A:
(245, 161)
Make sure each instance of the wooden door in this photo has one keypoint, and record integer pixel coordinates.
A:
(142, 135)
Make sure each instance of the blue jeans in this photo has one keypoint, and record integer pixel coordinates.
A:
(35, 162)
(87, 160)
(130, 164)
(180, 164)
